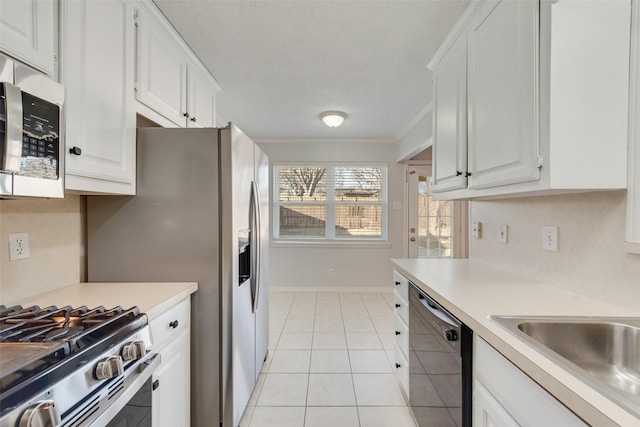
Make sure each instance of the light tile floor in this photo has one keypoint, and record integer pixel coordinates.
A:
(329, 364)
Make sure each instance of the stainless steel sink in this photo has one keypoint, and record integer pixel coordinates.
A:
(603, 352)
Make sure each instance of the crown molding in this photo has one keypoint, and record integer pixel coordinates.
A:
(421, 114)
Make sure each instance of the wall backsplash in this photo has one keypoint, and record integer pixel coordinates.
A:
(56, 240)
(591, 259)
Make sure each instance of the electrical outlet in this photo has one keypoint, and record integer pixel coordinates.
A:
(332, 272)
(18, 246)
(503, 233)
(477, 230)
(550, 238)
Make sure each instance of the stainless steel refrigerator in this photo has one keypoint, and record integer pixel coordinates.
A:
(200, 214)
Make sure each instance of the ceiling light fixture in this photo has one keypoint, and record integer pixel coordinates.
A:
(333, 119)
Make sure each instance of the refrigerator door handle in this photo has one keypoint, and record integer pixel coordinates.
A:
(258, 240)
(255, 243)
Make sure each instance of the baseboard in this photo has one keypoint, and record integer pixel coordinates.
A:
(338, 289)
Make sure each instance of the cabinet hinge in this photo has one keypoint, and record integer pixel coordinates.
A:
(540, 161)
(55, 58)
(135, 18)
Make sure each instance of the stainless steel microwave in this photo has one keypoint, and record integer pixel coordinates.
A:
(31, 132)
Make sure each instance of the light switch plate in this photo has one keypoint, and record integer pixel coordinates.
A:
(550, 238)
(476, 230)
(503, 233)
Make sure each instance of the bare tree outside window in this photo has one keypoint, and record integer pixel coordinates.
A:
(302, 181)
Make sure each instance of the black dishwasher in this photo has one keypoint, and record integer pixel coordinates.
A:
(440, 365)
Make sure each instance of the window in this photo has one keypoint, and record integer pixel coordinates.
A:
(330, 201)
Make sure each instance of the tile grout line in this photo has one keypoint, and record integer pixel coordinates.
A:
(313, 327)
(347, 349)
(353, 384)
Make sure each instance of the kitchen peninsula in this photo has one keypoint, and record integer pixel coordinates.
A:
(473, 291)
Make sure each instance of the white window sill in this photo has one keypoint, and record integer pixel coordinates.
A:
(341, 244)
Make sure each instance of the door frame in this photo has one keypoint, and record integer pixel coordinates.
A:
(461, 216)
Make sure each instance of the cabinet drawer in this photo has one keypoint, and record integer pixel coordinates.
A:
(401, 331)
(171, 323)
(401, 368)
(401, 307)
(400, 286)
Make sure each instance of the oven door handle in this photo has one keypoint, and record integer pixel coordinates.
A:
(143, 372)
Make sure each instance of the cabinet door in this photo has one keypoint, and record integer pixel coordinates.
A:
(161, 81)
(512, 390)
(171, 403)
(201, 101)
(97, 71)
(487, 412)
(503, 93)
(450, 119)
(632, 244)
(27, 32)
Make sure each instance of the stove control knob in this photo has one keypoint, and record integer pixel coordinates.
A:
(109, 368)
(41, 414)
(133, 350)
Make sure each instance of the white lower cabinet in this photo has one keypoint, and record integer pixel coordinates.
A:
(503, 395)
(401, 328)
(171, 401)
(487, 412)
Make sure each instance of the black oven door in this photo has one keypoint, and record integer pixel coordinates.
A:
(136, 412)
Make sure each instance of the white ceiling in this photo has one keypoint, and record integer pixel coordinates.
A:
(281, 63)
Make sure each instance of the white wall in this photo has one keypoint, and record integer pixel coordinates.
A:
(56, 238)
(357, 268)
(591, 260)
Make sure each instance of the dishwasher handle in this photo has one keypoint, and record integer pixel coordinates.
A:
(435, 309)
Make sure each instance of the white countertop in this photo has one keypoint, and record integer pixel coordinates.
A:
(152, 298)
(472, 291)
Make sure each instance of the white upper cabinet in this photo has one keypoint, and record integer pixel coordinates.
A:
(547, 99)
(27, 32)
(172, 86)
(97, 70)
(450, 118)
(502, 77)
(201, 100)
(633, 193)
(161, 82)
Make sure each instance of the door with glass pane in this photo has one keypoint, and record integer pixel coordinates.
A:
(436, 228)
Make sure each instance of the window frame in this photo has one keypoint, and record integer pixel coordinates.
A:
(330, 206)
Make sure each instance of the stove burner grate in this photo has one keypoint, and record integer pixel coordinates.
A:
(48, 343)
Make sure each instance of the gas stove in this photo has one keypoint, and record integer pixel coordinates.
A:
(71, 366)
